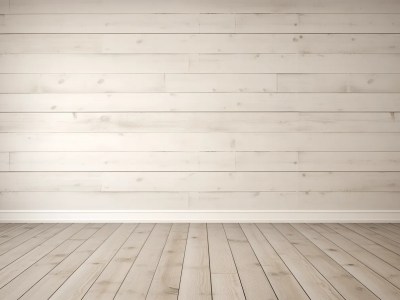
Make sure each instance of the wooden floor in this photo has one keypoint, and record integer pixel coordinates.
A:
(200, 261)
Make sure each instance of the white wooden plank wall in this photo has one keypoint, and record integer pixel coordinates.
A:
(200, 106)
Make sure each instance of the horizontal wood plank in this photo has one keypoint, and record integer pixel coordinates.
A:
(199, 105)
(193, 43)
(70, 83)
(200, 201)
(207, 6)
(200, 181)
(92, 83)
(199, 63)
(318, 161)
(4, 161)
(121, 83)
(204, 122)
(204, 102)
(200, 23)
(202, 161)
(15, 142)
(339, 83)
(317, 23)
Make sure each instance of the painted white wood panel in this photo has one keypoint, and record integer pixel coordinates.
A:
(294, 63)
(122, 83)
(122, 161)
(295, 200)
(201, 43)
(92, 83)
(210, 201)
(4, 6)
(124, 23)
(4, 161)
(205, 102)
(64, 83)
(221, 83)
(318, 23)
(317, 161)
(339, 83)
(15, 142)
(201, 122)
(258, 109)
(200, 181)
(206, 6)
(200, 23)
(201, 161)
(199, 63)
(317, 142)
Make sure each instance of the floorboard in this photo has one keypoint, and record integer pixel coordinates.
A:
(199, 261)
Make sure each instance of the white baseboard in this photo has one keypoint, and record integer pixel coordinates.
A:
(200, 216)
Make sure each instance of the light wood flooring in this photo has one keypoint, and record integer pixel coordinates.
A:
(200, 261)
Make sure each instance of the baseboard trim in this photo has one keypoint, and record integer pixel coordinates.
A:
(211, 216)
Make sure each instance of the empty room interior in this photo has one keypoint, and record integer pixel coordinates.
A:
(200, 149)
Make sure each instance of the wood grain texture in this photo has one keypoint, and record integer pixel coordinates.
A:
(204, 261)
(200, 102)
(208, 6)
(200, 181)
(195, 278)
(202, 161)
(49, 284)
(357, 23)
(346, 285)
(193, 43)
(211, 105)
(124, 63)
(313, 283)
(205, 122)
(337, 201)
(377, 284)
(110, 280)
(16, 142)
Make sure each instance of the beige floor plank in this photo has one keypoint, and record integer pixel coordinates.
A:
(18, 266)
(375, 237)
(221, 259)
(15, 231)
(370, 260)
(195, 280)
(14, 242)
(87, 232)
(82, 279)
(18, 286)
(383, 231)
(54, 279)
(344, 283)
(376, 249)
(199, 261)
(393, 228)
(137, 282)
(315, 285)
(225, 280)
(108, 283)
(377, 284)
(6, 227)
(30, 244)
(166, 281)
(226, 286)
(254, 281)
(282, 280)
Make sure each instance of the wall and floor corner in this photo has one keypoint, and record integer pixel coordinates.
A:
(216, 110)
